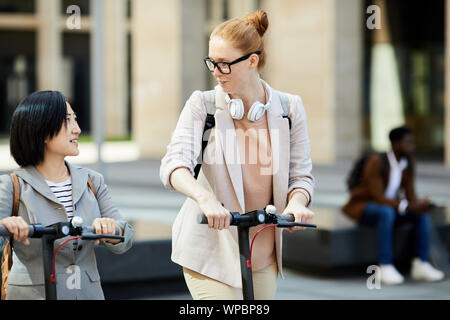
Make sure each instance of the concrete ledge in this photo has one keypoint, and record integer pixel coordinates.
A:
(333, 250)
(144, 271)
(145, 261)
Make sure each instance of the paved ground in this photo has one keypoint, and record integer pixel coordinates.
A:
(299, 286)
(137, 191)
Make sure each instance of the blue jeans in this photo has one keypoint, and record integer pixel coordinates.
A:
(385, 217)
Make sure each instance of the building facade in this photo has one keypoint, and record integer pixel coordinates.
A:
(360, 66)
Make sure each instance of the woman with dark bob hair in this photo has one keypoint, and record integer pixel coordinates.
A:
(44, 130)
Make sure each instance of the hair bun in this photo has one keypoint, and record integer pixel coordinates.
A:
(259, 20)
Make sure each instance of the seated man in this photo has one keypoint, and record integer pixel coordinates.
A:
(375, 201)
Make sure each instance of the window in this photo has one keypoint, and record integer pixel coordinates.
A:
(14, 6)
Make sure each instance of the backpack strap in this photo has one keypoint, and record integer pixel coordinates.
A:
(209, 98)
(384, 163)
(285, 104)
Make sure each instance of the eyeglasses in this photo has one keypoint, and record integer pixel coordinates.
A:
(225, 67)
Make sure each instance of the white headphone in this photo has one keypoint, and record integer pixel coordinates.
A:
(236, 108)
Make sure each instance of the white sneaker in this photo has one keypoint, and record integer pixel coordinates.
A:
(424, 271)
(390, 275)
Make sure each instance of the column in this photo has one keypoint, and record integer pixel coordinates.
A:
(301, 60)
(447, 84)
(240, 8)
(194, 47)
(386, 107)
(116, 68)
(156, 75)
(49, 45)
(348, 78)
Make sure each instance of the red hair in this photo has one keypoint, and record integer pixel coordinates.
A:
(246, 34)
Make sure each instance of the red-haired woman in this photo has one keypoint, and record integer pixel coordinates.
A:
(252, 159)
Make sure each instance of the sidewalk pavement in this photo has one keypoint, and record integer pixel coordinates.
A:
(301, 286)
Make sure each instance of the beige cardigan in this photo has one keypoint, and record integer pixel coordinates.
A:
(215, 253)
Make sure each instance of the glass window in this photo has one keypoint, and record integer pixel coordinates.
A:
(14, 6)
(17, 73)
(83, 4)
(76, 79)
(416, 36)
(76, 66)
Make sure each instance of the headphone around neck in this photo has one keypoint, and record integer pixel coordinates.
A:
(236, 107)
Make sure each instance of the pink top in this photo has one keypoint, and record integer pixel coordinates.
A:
(256, 161)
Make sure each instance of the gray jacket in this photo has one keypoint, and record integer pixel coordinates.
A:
(77, 276)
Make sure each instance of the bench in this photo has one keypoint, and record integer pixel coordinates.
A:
(143, 271)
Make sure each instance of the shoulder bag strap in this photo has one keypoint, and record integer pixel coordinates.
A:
(91, 186)
(7, 252)
(16, 187)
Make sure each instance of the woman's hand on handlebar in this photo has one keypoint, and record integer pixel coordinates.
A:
(105, 226)
(218, 216)
(182, 180)
(297, 208)
(18, 227)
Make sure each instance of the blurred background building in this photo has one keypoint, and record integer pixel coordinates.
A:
(356, 81)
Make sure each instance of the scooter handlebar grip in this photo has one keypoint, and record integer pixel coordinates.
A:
(92, 230)
(287, 217)
(4, 232)
(202, 219)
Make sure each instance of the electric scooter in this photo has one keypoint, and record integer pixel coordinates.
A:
(243, 223)
(53, 232)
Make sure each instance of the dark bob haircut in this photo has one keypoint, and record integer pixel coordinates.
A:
(397, 134)
(39, 116)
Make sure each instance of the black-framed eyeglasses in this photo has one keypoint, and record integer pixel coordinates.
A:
(225, 67)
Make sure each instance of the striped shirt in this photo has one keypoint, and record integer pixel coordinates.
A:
(63, 191)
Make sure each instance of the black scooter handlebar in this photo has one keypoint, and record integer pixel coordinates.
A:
(36, 231)
(33, 231)
(284, 220)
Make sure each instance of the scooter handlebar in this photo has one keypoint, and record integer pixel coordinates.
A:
(4, 232)
(282, 218)
(92, 230)
(89, 232)
(202, 219)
